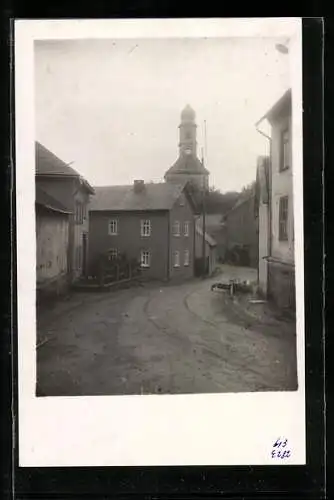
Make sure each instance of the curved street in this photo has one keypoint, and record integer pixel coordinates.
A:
(162, 339)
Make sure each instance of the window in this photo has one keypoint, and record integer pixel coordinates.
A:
(145, 228)
(145, 258)
(186, 228)
(283, 218)
(176, 258)
(285, 150)
(186, 257)
(112, 254)
(182, 201)
(176, 228)
(113, 227)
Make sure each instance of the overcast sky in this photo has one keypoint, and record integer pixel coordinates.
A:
(112, 107)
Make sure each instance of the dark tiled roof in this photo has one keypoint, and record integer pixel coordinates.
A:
(48, 164)
(154, 196)
(209, 239)
(241, 202)
(277, 108)
(44, 199)
(213, 220)
(187, 165)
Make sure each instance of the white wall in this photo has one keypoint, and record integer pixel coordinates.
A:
(52, 246)
(263, 247)
(281, 186)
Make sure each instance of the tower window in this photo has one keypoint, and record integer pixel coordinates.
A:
(188, 135)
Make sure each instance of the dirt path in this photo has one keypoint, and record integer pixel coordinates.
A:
(168, 339)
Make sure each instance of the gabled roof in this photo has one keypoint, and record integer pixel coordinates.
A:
(187, 165)
(240, 202)
(48, 164)
(153, 196)
(277, 108)
(213, 220)
(211, 241)
(42, 198)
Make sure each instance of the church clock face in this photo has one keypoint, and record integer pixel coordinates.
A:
(188, 151)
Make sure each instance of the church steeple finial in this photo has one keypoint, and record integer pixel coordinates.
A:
(188, 114)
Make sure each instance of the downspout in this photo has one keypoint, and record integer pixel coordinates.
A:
(269, 191)
(168, 245)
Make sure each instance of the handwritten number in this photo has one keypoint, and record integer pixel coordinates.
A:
(279, 452)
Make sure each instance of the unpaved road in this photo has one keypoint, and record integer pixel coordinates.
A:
(161, 340)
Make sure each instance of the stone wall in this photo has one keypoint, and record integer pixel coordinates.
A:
(281, 285)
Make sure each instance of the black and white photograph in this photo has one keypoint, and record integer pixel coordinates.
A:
(160, 167)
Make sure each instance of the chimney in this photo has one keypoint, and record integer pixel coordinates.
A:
(138, 186)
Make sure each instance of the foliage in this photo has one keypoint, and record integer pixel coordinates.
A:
(216, 201)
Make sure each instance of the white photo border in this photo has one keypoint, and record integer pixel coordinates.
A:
(197, 429)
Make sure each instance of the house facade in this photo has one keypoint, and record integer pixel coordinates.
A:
(52, 244)
(65, 184)
(278, 273)
(241, 233)
(152, 223)
(262, 209)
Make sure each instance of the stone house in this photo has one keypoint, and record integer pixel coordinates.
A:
(153, 223)
(241, 233)
(66, 185)
(276, 229)
(52, 243)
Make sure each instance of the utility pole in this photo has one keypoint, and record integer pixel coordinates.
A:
(203, 226)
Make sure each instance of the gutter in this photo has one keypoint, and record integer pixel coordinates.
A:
(168, 246)
(270, 180)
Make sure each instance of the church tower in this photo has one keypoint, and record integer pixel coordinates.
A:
(188, 166)
(187, 128)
